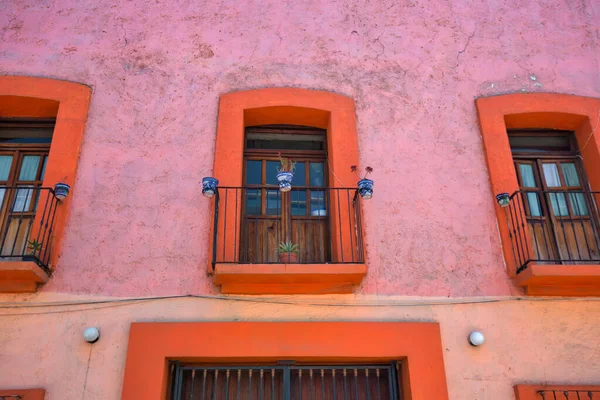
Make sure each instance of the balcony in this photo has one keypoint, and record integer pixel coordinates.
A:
(557, 392)
(555, 238)
(568, 394)
(323, 225)
(26, 222)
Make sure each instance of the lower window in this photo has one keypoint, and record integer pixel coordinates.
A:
(284, 382)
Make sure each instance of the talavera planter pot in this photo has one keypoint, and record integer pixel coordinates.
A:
(365, 188)
(285, 181)
(209, 186)
(503, 199)
(61, 190)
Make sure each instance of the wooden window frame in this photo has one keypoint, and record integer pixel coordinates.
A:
(290, 106)
(68, 102)
(498, 115)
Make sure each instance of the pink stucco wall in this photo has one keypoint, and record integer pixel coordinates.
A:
(139, 224)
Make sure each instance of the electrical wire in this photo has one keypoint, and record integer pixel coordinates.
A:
(299, 302)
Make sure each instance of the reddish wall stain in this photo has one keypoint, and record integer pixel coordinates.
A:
(139, 224)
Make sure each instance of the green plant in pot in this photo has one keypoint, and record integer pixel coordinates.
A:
(288, 252)
(34, 248)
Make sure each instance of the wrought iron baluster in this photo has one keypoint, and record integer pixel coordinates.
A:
(205, 372)
(193, 378)
(378, 384)
(235, 235)
(311, 393)
(322, 384)
(333, 384)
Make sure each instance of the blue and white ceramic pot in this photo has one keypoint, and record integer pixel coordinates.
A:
(365, 188)
(61, 190)
(285, 181)
(503, 199)
(209, 186)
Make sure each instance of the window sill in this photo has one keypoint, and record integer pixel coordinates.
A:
(288, 278)
(24, 394)
(21, 276)
(560, 280)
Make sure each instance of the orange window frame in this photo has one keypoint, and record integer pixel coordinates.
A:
(580, 114)
(68, 102)
(417, 345)
(279, 106)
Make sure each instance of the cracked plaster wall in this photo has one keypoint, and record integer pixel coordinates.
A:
(139, 224)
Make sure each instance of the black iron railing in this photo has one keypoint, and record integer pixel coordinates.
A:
(250, 223)
(554, 227)
(284, 382)
(26, 221)
(569, 394)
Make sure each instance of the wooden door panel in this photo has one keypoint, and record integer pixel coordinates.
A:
(542, 240)
(312, 238)
(260, 240)
(576, 240)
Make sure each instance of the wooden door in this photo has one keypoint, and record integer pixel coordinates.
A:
(270, 217)
(559, 209)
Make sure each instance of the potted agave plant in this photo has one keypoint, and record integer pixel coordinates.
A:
(288, 252)
(34, 248)
(285, 173)
(365, 186)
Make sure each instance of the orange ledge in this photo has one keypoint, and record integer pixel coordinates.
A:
(530, 392)
(24, 394)
(21, 276)
(560, 280)
(288, 278)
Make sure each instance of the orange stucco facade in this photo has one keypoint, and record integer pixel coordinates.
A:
(151, 97)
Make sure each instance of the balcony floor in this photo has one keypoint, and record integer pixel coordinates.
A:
(288, 278)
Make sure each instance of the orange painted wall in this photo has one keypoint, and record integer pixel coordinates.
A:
(417, 344)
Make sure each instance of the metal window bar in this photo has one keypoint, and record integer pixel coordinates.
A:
(566, 231)
(249, 224)
(570, 394)
(284, 382)
(27, 215)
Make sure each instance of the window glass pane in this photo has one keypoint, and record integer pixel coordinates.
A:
(317, 203)
(527, 177)
(317, 177)
(253, 172)
(559, 204)
(298, 202)
(273, 205)
(253, 198)
(23, 199)
(570, 174)
(44, 168)
(272, 171)
(578, 204)
(534, 204)
(551, 175)
(299, 174)
(539, 143)
(5, 163)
